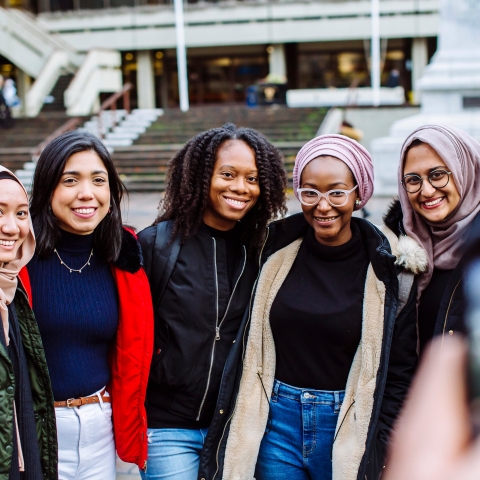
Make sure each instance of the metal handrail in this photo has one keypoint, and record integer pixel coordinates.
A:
(66, 127)
(111, 103)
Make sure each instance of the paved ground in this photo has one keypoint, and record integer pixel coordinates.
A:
(141, 210)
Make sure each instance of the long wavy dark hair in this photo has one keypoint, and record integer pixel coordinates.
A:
(189, 177)
(107, 239)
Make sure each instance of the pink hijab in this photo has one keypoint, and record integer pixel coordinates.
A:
(443, 241)
(345, 149)
(9, 271)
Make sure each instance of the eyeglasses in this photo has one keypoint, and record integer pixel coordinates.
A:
(413, 183)
(336, 198)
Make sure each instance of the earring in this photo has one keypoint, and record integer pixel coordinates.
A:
(357, 202)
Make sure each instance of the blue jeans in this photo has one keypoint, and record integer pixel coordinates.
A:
(298, 440)
(174, 453)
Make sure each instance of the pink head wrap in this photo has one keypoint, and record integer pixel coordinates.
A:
(356, 157)
(443, 241)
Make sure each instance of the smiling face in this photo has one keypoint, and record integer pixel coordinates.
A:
(331, 224)
(14, 219)
(434, 204)
(234, 187)
(82, 197)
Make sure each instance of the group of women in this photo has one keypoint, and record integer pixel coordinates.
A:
(224, 341)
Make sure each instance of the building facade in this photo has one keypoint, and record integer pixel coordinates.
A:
(234, 44)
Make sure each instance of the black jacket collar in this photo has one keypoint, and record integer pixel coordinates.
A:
(287, 230)
(393, 219)
(130, 258)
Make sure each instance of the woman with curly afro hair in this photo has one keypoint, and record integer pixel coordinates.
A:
(201, 256)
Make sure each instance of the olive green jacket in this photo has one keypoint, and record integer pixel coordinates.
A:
(41, 393)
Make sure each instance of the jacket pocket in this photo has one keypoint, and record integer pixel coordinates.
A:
(161, 343)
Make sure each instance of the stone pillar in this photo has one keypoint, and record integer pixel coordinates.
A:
(145, 80)
(23, 86)
(419, 62)
(276, 60)
(451, 82)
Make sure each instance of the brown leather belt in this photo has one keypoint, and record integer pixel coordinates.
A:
(78, 402)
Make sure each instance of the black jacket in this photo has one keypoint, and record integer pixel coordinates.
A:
(397, 364)
(398, 359)
(450, 318)
(198, 329)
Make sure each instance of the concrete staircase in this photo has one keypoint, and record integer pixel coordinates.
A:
(120, 128)
(17, 143)
(143, 142)
(56, 103)
(143, 165)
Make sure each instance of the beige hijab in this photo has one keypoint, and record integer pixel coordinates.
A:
(9, 271)
(443, 241)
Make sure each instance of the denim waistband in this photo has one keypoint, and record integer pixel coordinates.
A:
(308, 395)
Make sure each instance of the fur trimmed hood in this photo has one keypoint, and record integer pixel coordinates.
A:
(130, 259)
(410, 255)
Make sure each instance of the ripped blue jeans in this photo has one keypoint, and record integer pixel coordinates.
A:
(298, 440)
(174, 453)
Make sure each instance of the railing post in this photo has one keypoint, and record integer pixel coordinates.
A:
(100, 123)
(114, 113)
(126, 100)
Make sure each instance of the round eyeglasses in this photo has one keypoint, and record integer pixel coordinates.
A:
(412, 183)
(336, 198)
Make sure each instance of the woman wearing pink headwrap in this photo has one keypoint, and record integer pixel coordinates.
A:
(332, 342)
(28, 437)
(439, 205)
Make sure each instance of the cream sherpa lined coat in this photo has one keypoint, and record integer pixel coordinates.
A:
(251, 411)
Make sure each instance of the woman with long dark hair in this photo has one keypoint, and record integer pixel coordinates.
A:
(28, 441)
(93, 306)
(332, 342)
(438, 207)
(201, 256)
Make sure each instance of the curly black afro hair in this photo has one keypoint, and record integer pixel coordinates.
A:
(189, 177)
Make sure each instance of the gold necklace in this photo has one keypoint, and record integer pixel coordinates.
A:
(74, 269)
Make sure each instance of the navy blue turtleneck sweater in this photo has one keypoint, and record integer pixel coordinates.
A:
(77, 315)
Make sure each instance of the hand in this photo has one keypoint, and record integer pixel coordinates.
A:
(433, 438)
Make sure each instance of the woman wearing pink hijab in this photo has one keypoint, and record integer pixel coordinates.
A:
(332, 343)
(28, 437)
(439, 204)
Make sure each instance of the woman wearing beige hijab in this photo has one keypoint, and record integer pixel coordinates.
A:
(439, 207)
(28, 446)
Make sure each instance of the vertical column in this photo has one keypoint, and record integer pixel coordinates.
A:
(181, 56)
(419, 62)
(23, 86)
(375, 53)
(276, 60)
(145, 80)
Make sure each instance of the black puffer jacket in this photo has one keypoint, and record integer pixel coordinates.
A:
(450, 318)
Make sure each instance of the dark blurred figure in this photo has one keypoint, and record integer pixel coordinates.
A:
(6, 120)
(393, 79)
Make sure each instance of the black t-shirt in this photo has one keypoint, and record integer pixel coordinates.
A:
(316, 317)
(430, 305)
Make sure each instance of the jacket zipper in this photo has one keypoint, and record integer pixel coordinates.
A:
(219, 325)
(448, 309)
(249, 316)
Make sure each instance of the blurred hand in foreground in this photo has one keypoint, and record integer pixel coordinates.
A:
(433, 439)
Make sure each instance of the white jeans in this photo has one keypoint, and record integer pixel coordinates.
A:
(86, 448)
